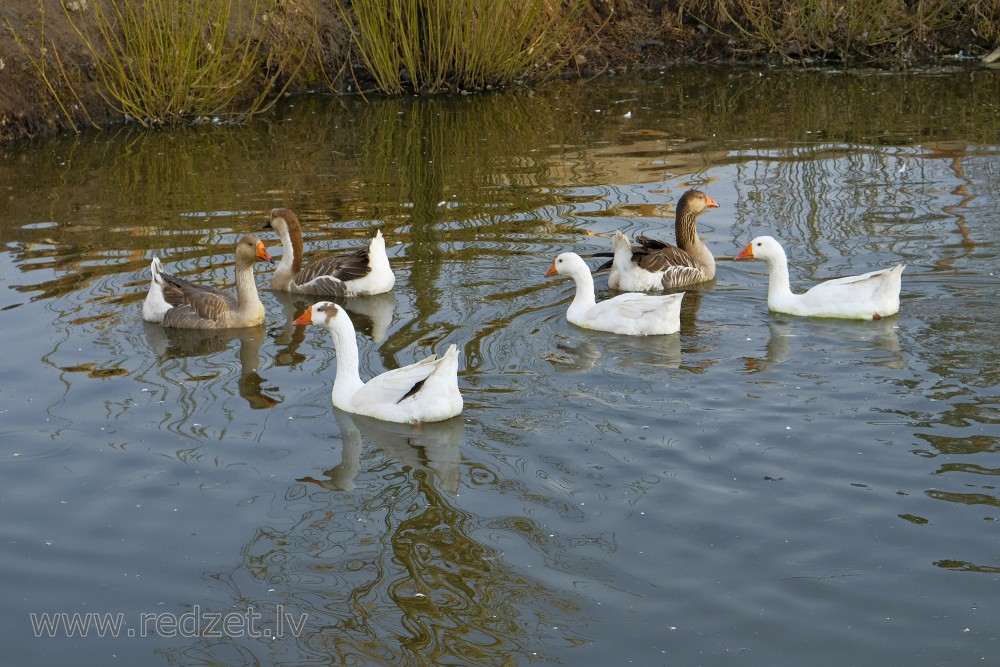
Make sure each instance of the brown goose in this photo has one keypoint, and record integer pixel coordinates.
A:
(360, 273)
(175, 302)
(656, 265)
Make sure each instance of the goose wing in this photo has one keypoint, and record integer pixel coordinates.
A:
(204, 299)
(328, 275)
(656, 256)
(634, 306)
(859, 287)
(398, 384)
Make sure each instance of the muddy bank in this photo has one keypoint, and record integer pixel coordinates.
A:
(41, 52)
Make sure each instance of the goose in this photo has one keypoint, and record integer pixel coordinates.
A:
(870, 296)
(360, 273)
(633, 314)
(426, 391)
(657, 265)
(175, 302)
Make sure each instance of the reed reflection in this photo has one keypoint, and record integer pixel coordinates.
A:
(391, 572)
(170, 344)
(451, 171)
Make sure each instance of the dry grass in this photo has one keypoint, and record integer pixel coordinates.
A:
(432, 45)
(162, 62)
(845, 29)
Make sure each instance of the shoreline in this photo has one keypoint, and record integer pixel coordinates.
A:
(51, 84)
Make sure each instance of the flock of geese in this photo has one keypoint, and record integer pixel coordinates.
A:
(427, 391)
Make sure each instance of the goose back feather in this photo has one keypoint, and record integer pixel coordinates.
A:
(362, 272)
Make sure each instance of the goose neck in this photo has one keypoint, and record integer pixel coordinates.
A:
(247, 298)
(778, 283)
(686, 228)
(291, 251)
(347, 382)
(585, 295)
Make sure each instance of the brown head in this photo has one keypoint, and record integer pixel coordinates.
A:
(692, 204)
(285, 220)
(695, 202)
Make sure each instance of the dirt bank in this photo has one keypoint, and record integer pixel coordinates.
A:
(40, 51)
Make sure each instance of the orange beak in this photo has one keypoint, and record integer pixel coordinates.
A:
(711, 203)
(262, 253)
(552, 271)
(305, 318)
(746, 253)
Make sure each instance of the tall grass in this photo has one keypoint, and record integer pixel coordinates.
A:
(430, 45)
(844, 29)
(170, 61)
(60, 87)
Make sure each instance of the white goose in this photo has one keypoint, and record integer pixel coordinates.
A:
(175, 302)
(870, 296)
(658, 265)
(633, 314)
(426, 391)
(360, 273)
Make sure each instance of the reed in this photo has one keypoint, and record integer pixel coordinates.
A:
(847, 29)
(163, 62)
(433, 45)
(986, 20)
(60, 87)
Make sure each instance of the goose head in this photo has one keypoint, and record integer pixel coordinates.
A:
(286, 223)
(567, 264)
(324, 313)
(695, 202)
(282, 219)
(765, 248)
(250, 249)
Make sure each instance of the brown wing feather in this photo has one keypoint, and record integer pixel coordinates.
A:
(342, 267)
(323, 286)
(656, 256)
(603, 267)
(177, 291)
(193, 302)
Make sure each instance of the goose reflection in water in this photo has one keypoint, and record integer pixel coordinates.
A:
(169, 343)
(860, 337)
(581, 354)
(372, 315)
(433, 447)
(574, 356)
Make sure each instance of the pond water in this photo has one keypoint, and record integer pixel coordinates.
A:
(757, 488)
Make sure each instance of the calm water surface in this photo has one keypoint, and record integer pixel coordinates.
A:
(757, 489)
